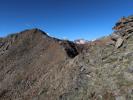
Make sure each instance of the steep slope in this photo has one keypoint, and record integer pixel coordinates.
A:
(26, 57)
(34, 66)
(104, 71)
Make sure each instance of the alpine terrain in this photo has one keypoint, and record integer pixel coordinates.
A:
(35, 66)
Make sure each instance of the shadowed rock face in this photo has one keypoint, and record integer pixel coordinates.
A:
(35, 66)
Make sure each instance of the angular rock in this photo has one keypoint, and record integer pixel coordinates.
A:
(119, 42)
(115, 36)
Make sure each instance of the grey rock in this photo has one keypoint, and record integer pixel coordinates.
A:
(119, 42)
(120, 98)
(130, 69)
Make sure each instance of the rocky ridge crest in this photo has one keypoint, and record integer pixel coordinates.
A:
(35, 66)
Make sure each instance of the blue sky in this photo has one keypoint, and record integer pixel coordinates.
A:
(71, 19)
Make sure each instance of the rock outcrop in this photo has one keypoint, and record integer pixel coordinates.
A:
(35, 66)
(124, 28)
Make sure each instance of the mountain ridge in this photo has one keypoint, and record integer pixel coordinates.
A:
(35, 66)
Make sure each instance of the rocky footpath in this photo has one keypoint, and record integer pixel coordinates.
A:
(35, 66)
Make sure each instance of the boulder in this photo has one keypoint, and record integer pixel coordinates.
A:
(119, 42)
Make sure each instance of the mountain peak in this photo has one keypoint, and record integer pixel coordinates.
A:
(34, 31)
(34, 65)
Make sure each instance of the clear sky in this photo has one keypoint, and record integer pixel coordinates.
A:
(71, 19)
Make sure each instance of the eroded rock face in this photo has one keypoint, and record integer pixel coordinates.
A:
(34, 66)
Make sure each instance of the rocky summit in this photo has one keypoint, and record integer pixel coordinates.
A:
(35, 66)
